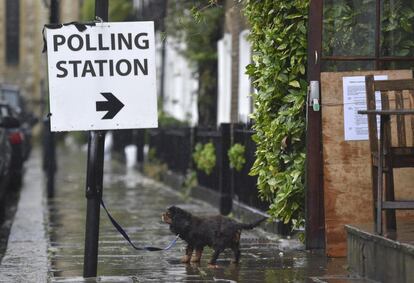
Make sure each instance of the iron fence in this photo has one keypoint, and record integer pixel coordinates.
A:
(203, 136)
(174, 146)
(245, 189)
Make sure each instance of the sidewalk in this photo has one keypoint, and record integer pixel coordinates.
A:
(137, 203)
(25, 259)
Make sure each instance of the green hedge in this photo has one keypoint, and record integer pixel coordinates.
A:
(279, 46)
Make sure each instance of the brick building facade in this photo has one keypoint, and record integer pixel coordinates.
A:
(21, 60)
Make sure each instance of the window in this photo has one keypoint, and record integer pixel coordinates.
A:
(12, 32)
(367, 34)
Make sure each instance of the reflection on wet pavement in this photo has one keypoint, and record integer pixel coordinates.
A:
(137, 203)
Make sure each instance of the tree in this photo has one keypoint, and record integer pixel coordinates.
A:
(119, 10)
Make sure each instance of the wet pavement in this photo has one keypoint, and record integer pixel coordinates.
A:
(25, 258)
(137, 203)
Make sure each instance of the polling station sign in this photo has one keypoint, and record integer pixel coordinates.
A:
(102, 78)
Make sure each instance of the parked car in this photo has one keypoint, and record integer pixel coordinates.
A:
(6, 123)
(16, 138)
(10, 94)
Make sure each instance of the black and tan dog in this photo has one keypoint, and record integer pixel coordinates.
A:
(217, 232)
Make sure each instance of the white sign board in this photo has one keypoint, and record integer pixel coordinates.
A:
(356, 125)
(102, 78)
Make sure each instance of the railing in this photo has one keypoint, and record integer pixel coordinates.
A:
(245, 189)
(122, 138)
(174, 146)
(203, 136)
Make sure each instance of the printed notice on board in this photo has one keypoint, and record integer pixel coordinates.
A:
(356, 125)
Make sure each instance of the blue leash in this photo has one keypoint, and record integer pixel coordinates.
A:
(125, 235)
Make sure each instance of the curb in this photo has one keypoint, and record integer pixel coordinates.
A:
(26, 258)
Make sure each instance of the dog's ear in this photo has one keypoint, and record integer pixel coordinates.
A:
(172, 210)
(181, 219)
(175, 210)
(181, 223)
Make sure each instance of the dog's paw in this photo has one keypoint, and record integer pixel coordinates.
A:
(195, 264)
(195, 260)
(213, 266)
(185, 259)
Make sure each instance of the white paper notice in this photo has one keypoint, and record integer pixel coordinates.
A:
(356, 125)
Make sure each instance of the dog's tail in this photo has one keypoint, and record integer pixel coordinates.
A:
(252, 225)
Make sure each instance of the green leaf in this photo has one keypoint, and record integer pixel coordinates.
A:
(294, 84)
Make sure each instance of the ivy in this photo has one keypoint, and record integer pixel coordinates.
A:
(279, 44)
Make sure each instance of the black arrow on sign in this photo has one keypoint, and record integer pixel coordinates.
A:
(112, 105)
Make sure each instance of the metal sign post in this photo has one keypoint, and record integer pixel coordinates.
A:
(94, 180)
(94, 190)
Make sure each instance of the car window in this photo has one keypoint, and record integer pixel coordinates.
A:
(4, 111)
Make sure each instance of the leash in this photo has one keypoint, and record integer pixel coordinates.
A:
(125, 235)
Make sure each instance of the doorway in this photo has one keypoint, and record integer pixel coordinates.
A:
(349, 35)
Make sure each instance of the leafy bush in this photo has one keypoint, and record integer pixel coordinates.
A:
(349, 28)
(397, 24)
(80, 138)
(154, 168)
(205, 157)
(120, 10)
(166, 120)
(189, 183)
(279, 42)
(236, 156)
(152, 155)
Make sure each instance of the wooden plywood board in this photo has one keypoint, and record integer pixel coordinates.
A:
(346, 168)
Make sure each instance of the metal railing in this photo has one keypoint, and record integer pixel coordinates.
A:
(174, 147)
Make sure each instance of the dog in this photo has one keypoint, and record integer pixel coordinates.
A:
(217, 232)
